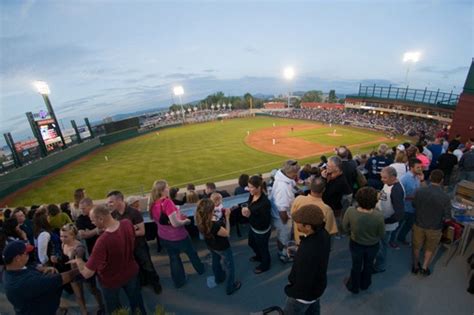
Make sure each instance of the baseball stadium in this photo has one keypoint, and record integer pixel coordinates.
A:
(302, 202)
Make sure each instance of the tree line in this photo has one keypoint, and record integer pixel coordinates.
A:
(247, 100)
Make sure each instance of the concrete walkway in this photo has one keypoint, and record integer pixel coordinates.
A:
(396, 291)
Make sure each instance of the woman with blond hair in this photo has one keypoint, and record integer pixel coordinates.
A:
(216, 235)
(72, 248)
(400, 164)
(172, 233)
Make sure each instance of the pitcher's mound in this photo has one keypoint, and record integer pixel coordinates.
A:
(334, 134)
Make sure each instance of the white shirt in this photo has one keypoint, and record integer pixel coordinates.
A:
(401, 169)
(41, 244)
(458, 153)
(385, 206)
(282, 194)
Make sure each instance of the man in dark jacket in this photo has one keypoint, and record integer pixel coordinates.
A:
(432, 206)
(308, 276)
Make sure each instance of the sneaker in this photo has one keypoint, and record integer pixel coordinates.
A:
(425, 272)
(394, 245)
(285, 259)
(237, 285)
(415, 269)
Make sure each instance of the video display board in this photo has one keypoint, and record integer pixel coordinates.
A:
(49, 134)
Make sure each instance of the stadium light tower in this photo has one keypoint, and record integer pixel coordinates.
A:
(410, 57)
(43, 89)
(289, 74)
(179, 91)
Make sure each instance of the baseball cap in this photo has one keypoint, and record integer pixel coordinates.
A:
(401, 147)
(14, 249)
(309, 214)
(132, 199)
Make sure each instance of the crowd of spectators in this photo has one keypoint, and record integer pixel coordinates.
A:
(387, 122)
(377, 198)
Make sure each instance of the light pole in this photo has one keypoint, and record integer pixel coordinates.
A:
(179, 91)
(43, 89)
(289, 74)
(410, 57)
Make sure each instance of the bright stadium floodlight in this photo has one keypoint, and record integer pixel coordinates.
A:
(289, 74)
(410, 57)
(179, 91)
(42, 87)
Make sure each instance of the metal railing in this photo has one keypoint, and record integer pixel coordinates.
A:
(428, 97)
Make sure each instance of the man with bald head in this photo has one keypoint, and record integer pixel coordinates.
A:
(391, 203)
(87, 230)
(113, 260)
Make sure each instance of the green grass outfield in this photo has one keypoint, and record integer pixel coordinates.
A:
(196, 153)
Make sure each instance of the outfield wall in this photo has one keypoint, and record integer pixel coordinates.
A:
(19, 178)
(25, 175)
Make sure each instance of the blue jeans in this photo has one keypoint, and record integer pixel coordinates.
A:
(219, 272)
(362, 266)
(259, 244)
(405, 226)
(132, 290)
(381, 258)
(294, 307)
(174, 249)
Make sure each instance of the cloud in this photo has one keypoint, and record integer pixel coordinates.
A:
(209, 70)
(21, 55)
(444, 72)
(180, 76)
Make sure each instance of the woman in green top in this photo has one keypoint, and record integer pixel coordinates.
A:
(57, 219)
(366, 227)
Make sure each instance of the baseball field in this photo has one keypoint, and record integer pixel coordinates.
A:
(197, 154)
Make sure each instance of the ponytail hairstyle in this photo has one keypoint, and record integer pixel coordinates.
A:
(258, 182)
(159, 186)
(204, 213)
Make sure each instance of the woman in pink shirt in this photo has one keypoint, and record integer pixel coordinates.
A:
(172, 233)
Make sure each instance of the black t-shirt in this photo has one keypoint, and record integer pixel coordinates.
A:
(83, 222)
(349, 169)
(260, 213)
(135, 217)
(335, 189)
(214, 241)
(446, 162)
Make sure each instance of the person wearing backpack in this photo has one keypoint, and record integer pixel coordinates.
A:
(172, 233)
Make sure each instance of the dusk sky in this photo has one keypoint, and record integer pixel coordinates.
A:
(103, 57)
